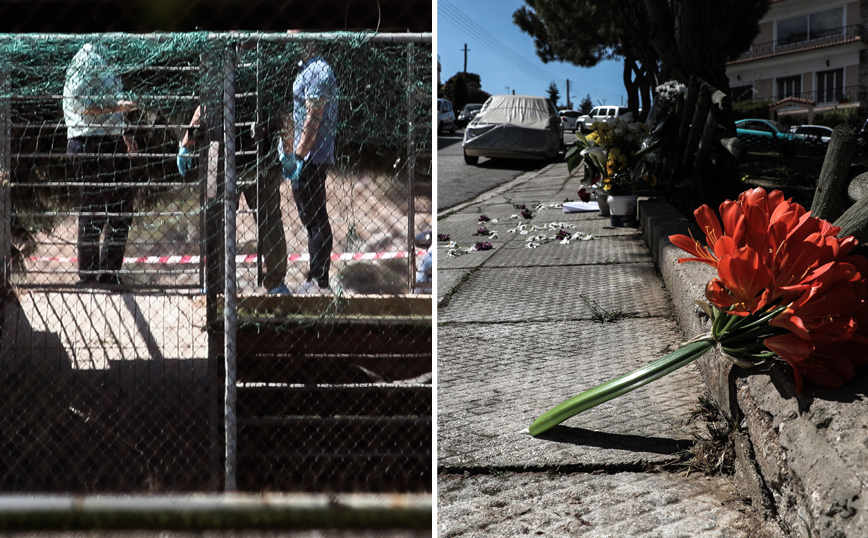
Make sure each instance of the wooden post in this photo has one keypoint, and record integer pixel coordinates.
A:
(697, 124)
(854, 221)
(858, 187)
(686, 116)
(833, 176)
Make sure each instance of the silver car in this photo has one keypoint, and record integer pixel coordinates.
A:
(514, 127)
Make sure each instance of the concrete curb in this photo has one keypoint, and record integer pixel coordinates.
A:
(801, 459)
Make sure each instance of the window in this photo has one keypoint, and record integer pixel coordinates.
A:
(830, 86)
(820, 25)
(790, 87)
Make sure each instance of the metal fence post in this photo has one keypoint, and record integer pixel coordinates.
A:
(411, 167)
(212, 215)
(5, 178)
(230, 319)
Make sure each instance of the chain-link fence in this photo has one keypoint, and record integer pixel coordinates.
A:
(210, 253)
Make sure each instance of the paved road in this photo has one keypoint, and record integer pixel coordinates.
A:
(458, 182)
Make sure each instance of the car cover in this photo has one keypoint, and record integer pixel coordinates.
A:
(515, 124)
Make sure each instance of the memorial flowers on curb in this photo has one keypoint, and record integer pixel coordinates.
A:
(612, 152)
(786, 288)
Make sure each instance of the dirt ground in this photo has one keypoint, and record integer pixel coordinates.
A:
(369, 216)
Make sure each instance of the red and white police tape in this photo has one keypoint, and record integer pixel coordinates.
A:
(242, 258)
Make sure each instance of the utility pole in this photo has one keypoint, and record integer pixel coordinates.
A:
(569, 105)
(466, 50)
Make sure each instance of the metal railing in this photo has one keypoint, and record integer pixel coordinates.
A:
(843, 95)
(830, 37)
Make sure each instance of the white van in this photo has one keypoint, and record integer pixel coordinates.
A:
(599, 113)
(445, 116)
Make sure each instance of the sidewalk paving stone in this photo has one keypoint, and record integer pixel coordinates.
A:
(494, 379)
(517, 336)
(635, 505)
(523, 294)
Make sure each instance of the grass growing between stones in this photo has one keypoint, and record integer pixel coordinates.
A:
(713, 451)
(601, 314)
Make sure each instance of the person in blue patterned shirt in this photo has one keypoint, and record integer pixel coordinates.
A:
(314, 119)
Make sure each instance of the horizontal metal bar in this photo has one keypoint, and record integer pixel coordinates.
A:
(157, 126)
(100, 214)
(222, 511)
(398, 385)
(74, 184)
(44, 97)
(155, 272)
(237, 37)
(115, 155)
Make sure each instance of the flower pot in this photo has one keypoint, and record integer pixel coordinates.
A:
(603, 202)
(622, 210)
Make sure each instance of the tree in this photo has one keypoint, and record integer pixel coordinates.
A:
(460, 93)
(554, 94)
(473, 84)
(618, 30)
(586, 105)
(657, 40)
(698, 38)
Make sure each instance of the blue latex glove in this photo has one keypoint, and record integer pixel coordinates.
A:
(185, 160)
(290, 166)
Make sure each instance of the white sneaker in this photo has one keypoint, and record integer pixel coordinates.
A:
(312, 288)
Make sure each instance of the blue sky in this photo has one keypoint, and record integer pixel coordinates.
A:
(504, 56)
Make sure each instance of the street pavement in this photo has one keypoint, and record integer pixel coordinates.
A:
(518, 331)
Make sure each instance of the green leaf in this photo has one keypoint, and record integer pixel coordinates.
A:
(621, 385)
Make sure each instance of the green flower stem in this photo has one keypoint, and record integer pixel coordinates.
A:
(622, 385)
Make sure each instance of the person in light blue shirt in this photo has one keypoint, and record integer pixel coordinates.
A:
(314, 118)
(98, 146)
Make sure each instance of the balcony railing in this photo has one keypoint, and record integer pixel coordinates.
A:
(846, 94)
(815, 39)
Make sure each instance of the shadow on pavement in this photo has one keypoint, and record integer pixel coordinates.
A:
(618, 441)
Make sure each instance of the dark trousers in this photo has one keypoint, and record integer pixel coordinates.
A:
(105, 208)
(263, 197)
(310, 200)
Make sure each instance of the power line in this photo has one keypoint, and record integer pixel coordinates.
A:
(461, 20)
(448, 11)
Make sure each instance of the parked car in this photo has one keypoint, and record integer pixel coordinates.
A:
(514, 127)
(570, 120)
(765, 135)
(467, 114)
(821, 132)
(599, 113)
(445, 116)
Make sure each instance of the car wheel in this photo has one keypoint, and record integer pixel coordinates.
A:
(469, 159)
(452, 128)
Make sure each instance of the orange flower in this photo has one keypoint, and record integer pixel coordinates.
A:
(743, 278)
(771, 253)
(828, 367)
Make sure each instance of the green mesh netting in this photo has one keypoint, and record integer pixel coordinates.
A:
(382, 150)
(126, 362)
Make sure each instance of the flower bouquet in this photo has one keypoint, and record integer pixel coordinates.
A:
(611, 152)
(787, 288)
